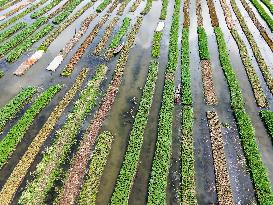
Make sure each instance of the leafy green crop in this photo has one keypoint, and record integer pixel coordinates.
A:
(1, 73)
(90, 187)
(10, 31)
(122, 31)
(14, 105)
(17, 132)
(268, 5)
(45, 9)
(20, 37)
(102, 5)
(263, 13)
(56, 155)
(148, 7)
(131, 159)
(156, 44)
(267, 117)
(164, 8)
(203, 44)
(67, 11)
(25, 45)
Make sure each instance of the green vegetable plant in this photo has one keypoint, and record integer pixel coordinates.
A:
(50, 169)
(17, 132)
(267, 117)
(45, 9)
(121, 32)
(156, 44)
(8, 111)
(90, 187)
(22, 14)
(131, 159)
(23, 47)
(67, 11)
(10, 31)
(103, 5)
(20, 37)
(21, 169)
(203, 44)
(147, 7)
(1, 73)
(263, 13)
(164, 8)
(161, 161)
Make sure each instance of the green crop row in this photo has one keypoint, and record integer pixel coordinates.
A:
(161, 161)
(185, 69)
(17, 132)
(8, 111)
(90, 187)
(11, 3)
(121, 32)
(61, 27)
(251, 73)
(10, 31)
(3, 2)
(45, 9)
(268, 5)
(102, 5)
(129, 166)
(256, 51)
(20, 49)
(49, 169)
(22, 14)
(188, 193)
(267, 117)
(164, 8)
(148, 7)
(156, 44)
(246, 131)
(20, 37)
(263, 13)
(21, 169)
(67, 11)
(237, 101)
(1, 73)
(203, 44)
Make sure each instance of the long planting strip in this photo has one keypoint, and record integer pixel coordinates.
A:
(67, 71)
(105, 36)
(267, 117)
(102, 5)
(67, 11)
(130, 162)
(251, 73)
(45, 9)
(268, 5)
(267, 18)
(90, 187)
(135, 5)
(10, 31)
(26, 32)
(224, 192)
(22, 14)
(15, 10)
(71, 43)
(77, 170)
(9, 4)
(1, 74)
(46, 43)
(156, 44)
(258, 171)
(117, 38)
(148, 7)
(257, 23)
(256, 51)
(188, 192)
(49, 169)
(122, 7)
(8, 111)
(59, 9)
(19, 172)
(161, 161)
(17, 132)
(25, 45)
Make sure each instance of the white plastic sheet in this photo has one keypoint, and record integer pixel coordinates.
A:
(160, 26)
(55, 63)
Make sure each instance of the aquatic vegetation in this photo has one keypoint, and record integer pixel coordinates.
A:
(128, 169)
(49, 169)
(90, 187)
(267, 117)
(17, 132)
(8, 111)
(19, 172)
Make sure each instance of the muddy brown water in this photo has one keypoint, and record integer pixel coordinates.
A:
(120, 119)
